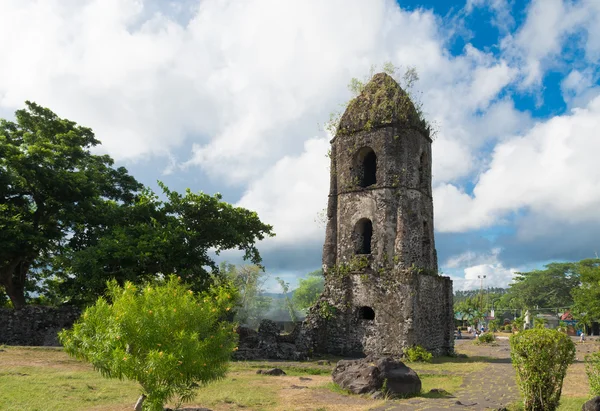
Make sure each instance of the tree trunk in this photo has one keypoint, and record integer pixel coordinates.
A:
(12, 278)
(140, 403)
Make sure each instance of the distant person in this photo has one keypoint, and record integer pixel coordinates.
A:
(459, 334)
(582, 337)
(469, 329)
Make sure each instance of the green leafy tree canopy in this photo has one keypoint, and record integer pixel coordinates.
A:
(586, 297)
(155, 237)
(249, 281)
(547, 288)
(70, 221)
(50, 186)
(309, 289)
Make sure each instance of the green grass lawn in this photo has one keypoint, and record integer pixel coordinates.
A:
(48, 388)
(47, 379)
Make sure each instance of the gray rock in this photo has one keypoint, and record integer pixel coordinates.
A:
(377, 395)
(367, 375)
(272, 371)
(592, 405)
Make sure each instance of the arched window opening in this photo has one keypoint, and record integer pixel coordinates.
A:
(370, 170)
(365, 167)
(366, 313)
(363, 232)
(422, 169)
(426, 239)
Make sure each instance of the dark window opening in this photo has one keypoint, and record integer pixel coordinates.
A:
(422, 169)
(366, 313)
(369, 170)
(363, 233)
(426, 239)
(364, 171)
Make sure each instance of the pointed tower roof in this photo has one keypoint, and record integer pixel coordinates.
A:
(382, 103)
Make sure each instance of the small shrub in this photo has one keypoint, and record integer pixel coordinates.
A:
(508, 327)
(485, 338)
(163, 336)
(494, 325)
(541, 357)
(418, 354)
(592, 369)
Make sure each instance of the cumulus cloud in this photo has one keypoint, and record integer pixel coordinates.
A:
(551, 172)
(480, 270)
(291, 195)
(240, 83)
(241, 86)
(549, 28)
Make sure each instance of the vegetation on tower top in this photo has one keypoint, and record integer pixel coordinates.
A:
(381, 102)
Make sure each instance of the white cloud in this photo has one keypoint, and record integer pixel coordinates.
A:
(291, 194)
(480, 270)
(550, 26)
(502, 19)
(242, 85)
(579, 87)
(551, 171)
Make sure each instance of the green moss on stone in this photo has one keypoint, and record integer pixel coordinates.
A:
(382, 103)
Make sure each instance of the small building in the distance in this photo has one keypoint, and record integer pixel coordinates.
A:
(383, 292)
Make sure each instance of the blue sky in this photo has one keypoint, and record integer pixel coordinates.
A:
(227, 96)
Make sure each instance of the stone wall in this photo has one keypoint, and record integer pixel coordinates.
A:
(267, 343)
(35, 325)
(409, 308)
(434, 314)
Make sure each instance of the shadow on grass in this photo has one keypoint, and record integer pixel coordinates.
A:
(435, 393)
(471, 359)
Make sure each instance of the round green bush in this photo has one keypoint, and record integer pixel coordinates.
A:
(541, 357)
(163, 336)
(592, 369)
(485, 338)
(417, 354)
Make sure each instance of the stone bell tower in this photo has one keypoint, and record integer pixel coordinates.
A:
(382, 289)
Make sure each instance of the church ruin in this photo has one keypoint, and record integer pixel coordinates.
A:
(382, 289)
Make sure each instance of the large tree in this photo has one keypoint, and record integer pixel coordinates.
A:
(309, 289)
(547, 288)
(50, 186)
(249, 280)
(80, 222)
(155, 237)
(587, 296)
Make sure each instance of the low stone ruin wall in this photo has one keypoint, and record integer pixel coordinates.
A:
(267, 343)
(35, 325)
(39, 326)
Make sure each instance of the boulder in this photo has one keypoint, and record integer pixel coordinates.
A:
(272, 371)
(592, 405)
(368, 375)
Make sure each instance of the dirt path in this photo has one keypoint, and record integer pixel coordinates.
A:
(491, 388)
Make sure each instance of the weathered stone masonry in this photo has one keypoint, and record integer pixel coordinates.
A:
(35, 325)
(382, 291)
